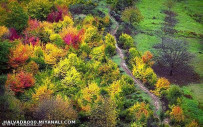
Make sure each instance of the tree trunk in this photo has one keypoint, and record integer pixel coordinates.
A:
(171, 71)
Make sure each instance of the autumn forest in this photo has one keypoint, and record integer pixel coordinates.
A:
(101, 63)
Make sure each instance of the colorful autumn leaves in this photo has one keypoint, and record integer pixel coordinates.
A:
(20, 81)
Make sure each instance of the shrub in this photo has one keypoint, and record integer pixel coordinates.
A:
(11, 107)
(109, 39)
(84, 47)
(115, 89)
(92, 36)
(4, 52)
(192, 109)
(33, 40)
(110, 50)
(133, 52)
(3, 15)
(39, 9)
(17, 18)
(20, 81)
(162, 83)
(131, 15)
(108, 71)
(38, 56)
(97, 53)
(126, 41)
(192, 124)
(174, 93)
(72, 78)
(32, 32)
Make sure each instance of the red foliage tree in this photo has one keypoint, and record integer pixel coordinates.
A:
(13, 34)
(56, 16)
(74, 39)
(20, 81)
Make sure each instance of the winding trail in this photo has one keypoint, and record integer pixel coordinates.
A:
(156, 101)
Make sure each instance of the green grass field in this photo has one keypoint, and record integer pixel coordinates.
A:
(117, 60)
(146, 42)
(187, 25)
(153, 16)
(196, 89)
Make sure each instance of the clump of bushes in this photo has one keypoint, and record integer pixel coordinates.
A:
(16, 18)
(131, 15)
(126, 41)
(4, 58)
(39, 9)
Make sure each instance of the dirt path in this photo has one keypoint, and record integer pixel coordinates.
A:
(156, 102)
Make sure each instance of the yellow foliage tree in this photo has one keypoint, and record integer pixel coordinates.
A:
(143, 72)
(4, 31)
(114, 88)
(109, 39)
(92, 36)
(42, 93)
(97, 53)
(139, 110)
(89, 96)
(53, 53)
(64, 66)
(72, 78)
(109, 72)
(162, 84)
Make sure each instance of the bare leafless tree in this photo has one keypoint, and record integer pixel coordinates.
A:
(173, 53)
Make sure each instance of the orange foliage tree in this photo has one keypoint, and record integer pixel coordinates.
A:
(177, 114)
(147, 58)
(19, 55)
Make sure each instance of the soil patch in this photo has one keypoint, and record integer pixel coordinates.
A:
(183, 75)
